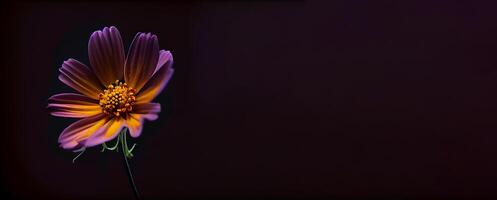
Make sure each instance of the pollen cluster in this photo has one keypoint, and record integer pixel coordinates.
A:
(118, 99)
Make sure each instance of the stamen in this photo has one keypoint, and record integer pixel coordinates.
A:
(118, 99)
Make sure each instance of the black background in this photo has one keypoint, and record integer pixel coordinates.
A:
(292, 99)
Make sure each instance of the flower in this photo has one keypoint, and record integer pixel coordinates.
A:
(116, 91)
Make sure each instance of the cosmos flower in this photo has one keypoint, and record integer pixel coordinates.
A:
(115, 91)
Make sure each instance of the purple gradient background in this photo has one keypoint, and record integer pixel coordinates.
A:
(296, 99)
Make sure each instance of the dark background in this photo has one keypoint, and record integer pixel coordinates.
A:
(292, 99)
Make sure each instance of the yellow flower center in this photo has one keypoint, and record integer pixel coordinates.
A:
(118, 99)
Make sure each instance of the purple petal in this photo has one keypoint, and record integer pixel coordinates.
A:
(135, 125)
(75, 134)
(72, 98)
(146, 108)
(78, 76)
(73, 105)
(158, 81)
(164, 56)
(142, 60)
(150, 117)
(106, 133)
(106, 53)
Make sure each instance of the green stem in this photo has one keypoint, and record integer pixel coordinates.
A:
(127, 154)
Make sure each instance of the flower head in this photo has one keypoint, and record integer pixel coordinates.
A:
(115, 91)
